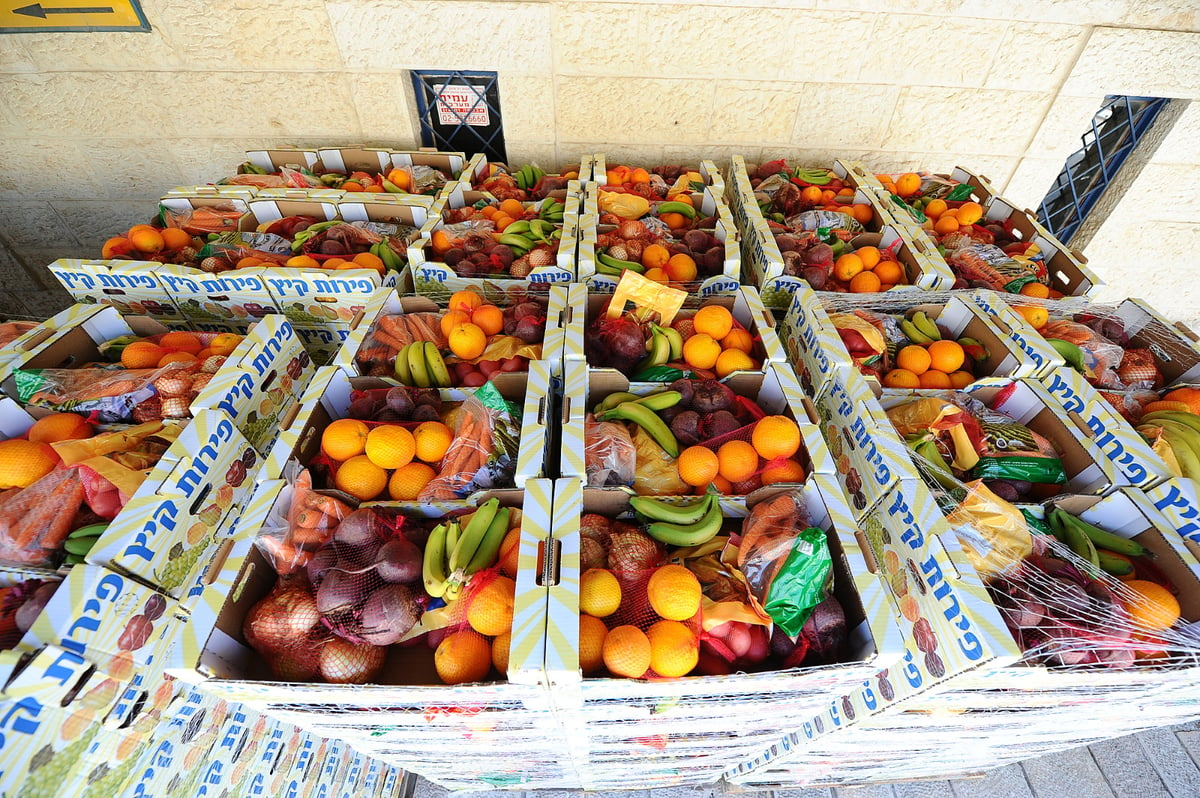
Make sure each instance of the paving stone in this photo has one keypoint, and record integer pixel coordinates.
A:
(1191, 741)
(1127, 770)
(816, 792)
(923, 789)
(1066, 774)
(1171, 761)
(427, 789)
(865, 791)
(1005, 782)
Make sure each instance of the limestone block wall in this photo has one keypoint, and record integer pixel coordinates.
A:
(96, 126)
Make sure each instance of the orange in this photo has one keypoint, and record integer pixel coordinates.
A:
(501, 221)
(901, 378)
(946, 355)
(848, 265)
(513, 208)
(488, 318)
(490, 611)
(441, 242)
(722, 485)
(115, 247)
(674, 649)
(344, 438)
(787, 471)
(462, 657)
(467, 340)
(174, 238)
(732, 360)
(302, 262)
(935, 208)
(592, 632)
(1035, 290)
(870, 256)
(961, 379)
(684, 197)
(935, 380)
(862, 212)
(453, 318)
(465, 300)
(510, 550)
(361, 478)
(1189, 396)
(914, 358)
(697, 465)
(1035, 315)
(146, 240)
(390, 446)
(141, 355)
(373, 189)
(352, 186)
(225, 343)
(701, 351)
(60, 427)
(400, 178)
(23, 463)
(738, 339)
(908, 184)
(599, 592)
(407, 482)
(488, 211)
(655, 256)
(674, 221)
(889, 272)
(369, 260)
(945, 224)
(713, 320)
(500, 647)
(656, 275)
(969, 212)
(738, 461)
(181, 342)
(673, 592)
(865, 283)
(681, 268)
(775, 436)
(626, 652)
(432, 438)
(811, 194)
(176, 357)
(1153, 607)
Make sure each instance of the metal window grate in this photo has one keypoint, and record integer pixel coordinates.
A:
(459, 110)
(1116, 129)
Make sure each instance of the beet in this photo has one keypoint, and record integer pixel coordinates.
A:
(815, 276)
(399, 561)
(686, 428)
(388, 615)
(454, 255)
(531, 329)
(825, 631)
(717, 424)
(616, 343)
(818, 254)
(787, 243)
(686, 393)
(399, 400)
(696, 240)
(426, 413)
(711, 396)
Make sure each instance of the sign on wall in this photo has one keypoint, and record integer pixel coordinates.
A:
(460, 111)
(57, 16)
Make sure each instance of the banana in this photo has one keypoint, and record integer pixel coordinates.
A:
(472, 535)
(439, 375)
(544, 230)
(1069, 352)
(417, 365)
(661, 400)
(622, 265)
(392, 261)
(660, 352)
(813, 176)
(517, 242)
(614, 399)
(81, 545)
(1189, 460)
(604, 268)
(489, 548)
(390, 187)
(551, 210)
(403, 372)
(1078, 542)
(89, 531)
(974, 349)
(1177, 416)
(939, 469)
(913, 334)
(1103, 539)
(519, 227)
(656, 510)
(522, 177)
(675, 206)
(689, 534)
(1117, 566)
(675, 338)
(926, 325)
(648, 420)
(433, 564)
(1055, 525)
(453, 532)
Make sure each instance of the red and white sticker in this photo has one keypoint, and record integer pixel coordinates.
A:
(457, 103)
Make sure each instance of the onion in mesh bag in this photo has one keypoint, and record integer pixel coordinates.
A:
(285, 629)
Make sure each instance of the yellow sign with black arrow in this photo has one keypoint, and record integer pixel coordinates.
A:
(56, 16)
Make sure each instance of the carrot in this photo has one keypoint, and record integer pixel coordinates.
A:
(306, 538)
(393, 331)
(325, 504)
(309, 518)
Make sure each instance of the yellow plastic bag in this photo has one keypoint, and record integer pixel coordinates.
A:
(627, 206)
(993, 533)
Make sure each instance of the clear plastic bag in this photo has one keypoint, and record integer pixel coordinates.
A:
(484, 450)
(108, 396)
(311, 519)
(609, 454)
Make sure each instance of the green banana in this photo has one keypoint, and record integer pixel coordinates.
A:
(433, 563)
(1104, 539)
(621, 265)
(674, 206)
(453, 532)
(648, 420)
(927, 449)
(695, 534)
(439, 375)
(612, 400)
(391, 260)
(403, 372)
(660, 352)
(80, 546)
(89, 531)
(1079, 543)
(551, 210)
(1069, 352)
(74, 559)
(675, 339)
(248, 168)
(391, 188)
(813, 176)
(472, 535)
(518, 227)
(1117, 566)
(657, 510)
(417, 365)
(1056, 526)
(519, 243)
(489, 548)
(926, 325)
(913, 334)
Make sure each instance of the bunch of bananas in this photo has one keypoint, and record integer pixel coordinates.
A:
(623, 406)
(420, 364)
(528, 176)
(385, 253)
(615, 267)
(926, 448)
(454, 553)
(1179, 432)
(664, 345)
(552, 211)
(310, 231)
(814, 176)
(81, 541)
(1093, 544)
(680, 524)
(523, 235)
(920, 329)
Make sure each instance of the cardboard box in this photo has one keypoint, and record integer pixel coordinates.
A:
(811, 341)
(1176, 499)
(477, 173)
(132, 287)
(328, 397)
(1175, 347)
(763, 262)
(181, 747)
(707, 203)
(179, 520)
(274, 160)
(774, 390)
(433, 278)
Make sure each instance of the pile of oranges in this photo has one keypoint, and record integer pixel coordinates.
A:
(739, 467)
(714, 342)
(363, 260)
(936, 366)
(177, 347)
(468, 324)
(944, 220)
(143, 241)
(386, 459)
(867, 270)
(840, 200)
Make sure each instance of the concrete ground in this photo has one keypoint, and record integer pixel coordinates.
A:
(1162, 763)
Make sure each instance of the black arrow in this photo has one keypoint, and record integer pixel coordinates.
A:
(36, 10)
